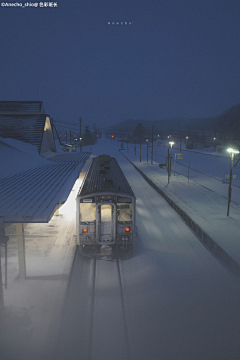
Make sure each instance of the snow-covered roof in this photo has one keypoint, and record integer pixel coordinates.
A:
(33, 195)
(21, 107)
(105, 175)
(27, 128)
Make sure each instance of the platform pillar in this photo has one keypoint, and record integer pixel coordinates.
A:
(21, 251)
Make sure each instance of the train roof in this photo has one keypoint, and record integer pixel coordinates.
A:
(105, 175)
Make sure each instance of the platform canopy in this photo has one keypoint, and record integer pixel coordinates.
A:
(33, 195)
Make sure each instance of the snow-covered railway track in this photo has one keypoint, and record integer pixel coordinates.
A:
(96, 306)
(94, 324)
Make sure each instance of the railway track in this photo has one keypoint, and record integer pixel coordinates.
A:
(94, 309)
(94, 324)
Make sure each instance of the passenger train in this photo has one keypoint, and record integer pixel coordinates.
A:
(106, 207)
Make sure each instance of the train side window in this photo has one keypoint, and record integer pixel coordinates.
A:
(124, 211)
(87, 211)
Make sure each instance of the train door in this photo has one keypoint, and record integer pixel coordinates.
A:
(106, 223)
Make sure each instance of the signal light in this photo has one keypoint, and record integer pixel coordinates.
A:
(84, 230)
(127, 229)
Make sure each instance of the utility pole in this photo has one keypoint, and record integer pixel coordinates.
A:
(215, 140)
(147, 149)
(80, 134)
(168, 168)
(152, 147)
(140, 149)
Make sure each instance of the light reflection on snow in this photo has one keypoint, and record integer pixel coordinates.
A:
(144, 213)
(68, 209)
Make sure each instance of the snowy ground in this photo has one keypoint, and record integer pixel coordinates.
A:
(181, 302)
(203, 203)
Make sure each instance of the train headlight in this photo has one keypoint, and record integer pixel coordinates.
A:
(84, 231)
(127, 229)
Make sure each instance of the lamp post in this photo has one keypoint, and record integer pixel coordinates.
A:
(232, 152)
(147, 149)
(171, 144)
(135, 145)
(80, 144)
(140, 145)
(214, 144)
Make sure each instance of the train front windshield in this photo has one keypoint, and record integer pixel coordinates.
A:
(124, 211)
(87, 212)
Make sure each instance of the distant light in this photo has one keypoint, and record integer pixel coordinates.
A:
(233, 151)
(214, 138)
(112, 136)
(171, 143)
(147, 140)
(186, 137)
(127, 229)
(84, 230)
(97, 135)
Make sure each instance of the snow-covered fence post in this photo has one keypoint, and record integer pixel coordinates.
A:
(188, 170)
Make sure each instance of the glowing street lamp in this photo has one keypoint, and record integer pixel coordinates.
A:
(171, 143)
(80, 144)
(169, 160)
(231, 152)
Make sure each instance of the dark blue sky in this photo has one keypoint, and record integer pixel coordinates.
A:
(178, 58)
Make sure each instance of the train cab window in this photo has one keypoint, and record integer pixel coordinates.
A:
(106, 213)
(124, 211)
(87, 211)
